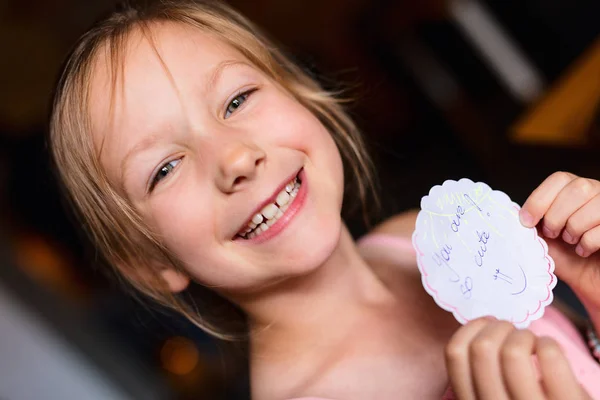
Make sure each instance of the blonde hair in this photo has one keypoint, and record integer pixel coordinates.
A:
(113, 224)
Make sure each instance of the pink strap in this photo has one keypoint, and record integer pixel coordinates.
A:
(378, 239)
(558, 327)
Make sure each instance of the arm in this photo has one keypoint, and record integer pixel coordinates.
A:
(594, 314)
(401, 225)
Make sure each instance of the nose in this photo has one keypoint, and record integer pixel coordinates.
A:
(239, 163)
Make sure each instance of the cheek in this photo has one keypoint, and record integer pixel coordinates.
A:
(186, 220)
(183, 218)
(284, 121)
(321, 149)
(299, 129)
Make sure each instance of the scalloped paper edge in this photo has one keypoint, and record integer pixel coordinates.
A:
(542, 304)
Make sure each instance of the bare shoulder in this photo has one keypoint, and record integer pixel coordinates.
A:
(401, 225)
(392, 253)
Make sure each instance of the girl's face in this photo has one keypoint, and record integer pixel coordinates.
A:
(206, 142)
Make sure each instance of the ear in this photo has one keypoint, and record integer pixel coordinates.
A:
(176, 281)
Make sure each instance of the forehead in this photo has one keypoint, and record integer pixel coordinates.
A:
(150, 75)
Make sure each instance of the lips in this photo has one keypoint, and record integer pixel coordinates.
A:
(271, 210)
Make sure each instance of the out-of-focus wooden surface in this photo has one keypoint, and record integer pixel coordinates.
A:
(563, 117)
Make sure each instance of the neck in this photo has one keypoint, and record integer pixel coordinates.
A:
(315, 307)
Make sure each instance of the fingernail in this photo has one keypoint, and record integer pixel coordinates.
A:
(579, 250)
(567, 237)
(548, 233)
(526, 219)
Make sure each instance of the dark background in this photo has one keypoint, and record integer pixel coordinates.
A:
(430, 106)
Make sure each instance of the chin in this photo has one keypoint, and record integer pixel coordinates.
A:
(315, 246)
(305, 254)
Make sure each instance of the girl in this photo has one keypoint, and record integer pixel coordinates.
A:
(194, 151)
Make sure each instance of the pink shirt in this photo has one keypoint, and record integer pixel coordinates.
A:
(552, 324)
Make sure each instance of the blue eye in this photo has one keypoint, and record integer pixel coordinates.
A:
(163, 172)
(237, 102)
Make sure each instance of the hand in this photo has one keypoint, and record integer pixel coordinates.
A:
(569, 210)
(491, 359)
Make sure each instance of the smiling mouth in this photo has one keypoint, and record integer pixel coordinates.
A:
(272, 212)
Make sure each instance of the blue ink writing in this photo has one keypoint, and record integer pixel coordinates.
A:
(483, 240)
(470, 200)
(524, 280)
(467, 287)
(503, 277)
(456, 222)
(443, 258)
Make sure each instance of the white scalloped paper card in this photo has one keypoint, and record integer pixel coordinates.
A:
(475, 257)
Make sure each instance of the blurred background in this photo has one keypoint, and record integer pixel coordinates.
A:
(501, 91)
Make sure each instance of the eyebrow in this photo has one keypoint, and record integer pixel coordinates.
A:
(142, 145)
(218, 72)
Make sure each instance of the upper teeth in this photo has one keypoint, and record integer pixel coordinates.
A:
(271, 212)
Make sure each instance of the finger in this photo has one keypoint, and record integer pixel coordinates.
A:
(457, 358)
(542, 197)
(557, 376)
(570, 199)
(589, 242)
(584, 219)
(485, 360)
(517, 366)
